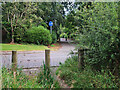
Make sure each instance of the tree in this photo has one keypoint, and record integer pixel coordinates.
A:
(22, 16)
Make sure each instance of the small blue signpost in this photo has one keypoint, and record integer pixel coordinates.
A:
(51, 24)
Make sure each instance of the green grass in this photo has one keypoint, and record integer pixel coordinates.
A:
(52, 45)
(18, 47)
(21, 81)
(25, 81)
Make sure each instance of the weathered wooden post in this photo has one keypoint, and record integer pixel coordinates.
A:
(47, 58)
(81, 58)
(14, 64)
(14, 61)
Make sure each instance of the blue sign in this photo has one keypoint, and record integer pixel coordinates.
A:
(50, 23)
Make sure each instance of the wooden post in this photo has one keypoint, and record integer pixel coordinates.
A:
(14, 61)
(80, 58)
(47, 58)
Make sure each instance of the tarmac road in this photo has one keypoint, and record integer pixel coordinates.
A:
(33, 59)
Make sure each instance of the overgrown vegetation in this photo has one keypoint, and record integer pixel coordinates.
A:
(87, 78)
(100, 33)
(21, 81)
(43, 80)
(46, 79)
(97, 29)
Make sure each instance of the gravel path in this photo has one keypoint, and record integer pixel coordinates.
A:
(33, 59)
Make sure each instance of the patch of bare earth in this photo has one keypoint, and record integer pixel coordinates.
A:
(55, 46)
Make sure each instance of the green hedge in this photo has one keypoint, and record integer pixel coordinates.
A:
(38, 35)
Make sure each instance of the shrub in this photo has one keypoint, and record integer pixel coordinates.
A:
(38, 35)
(101, 35)
(54, 37)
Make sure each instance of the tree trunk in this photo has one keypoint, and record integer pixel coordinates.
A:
(8, 16)
(12, 32)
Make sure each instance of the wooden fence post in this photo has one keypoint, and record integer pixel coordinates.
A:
(14, 61)
(47, 58)
(81, 58)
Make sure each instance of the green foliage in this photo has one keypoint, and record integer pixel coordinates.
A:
(6, 37)
(63, 35)
(21, 81)
(54, 37)
(63, 32)
(25, 81)
(45, 78)
(38, 35)
(87, 78)
(23, 15)
(52, 45)
(100, 33)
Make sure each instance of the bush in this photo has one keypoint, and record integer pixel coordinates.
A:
(54, 37)
(38, 35)
(101, 35)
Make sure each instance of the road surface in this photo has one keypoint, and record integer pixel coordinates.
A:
(32, 59)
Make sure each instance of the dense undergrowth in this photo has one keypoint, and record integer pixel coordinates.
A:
(87, 78)
(42, 80)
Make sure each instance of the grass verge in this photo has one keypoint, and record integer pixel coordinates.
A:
(22, 47)
(42, 80)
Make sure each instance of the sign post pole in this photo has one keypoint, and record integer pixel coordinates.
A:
(51, 24)
(51, 29)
